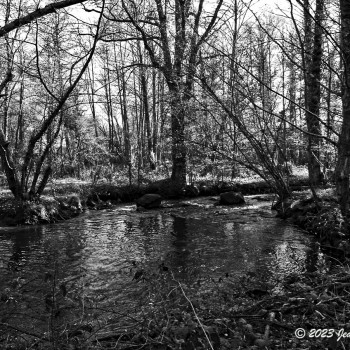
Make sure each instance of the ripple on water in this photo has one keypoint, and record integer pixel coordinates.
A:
(99, 252)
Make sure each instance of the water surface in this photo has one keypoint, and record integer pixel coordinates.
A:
(94, 258)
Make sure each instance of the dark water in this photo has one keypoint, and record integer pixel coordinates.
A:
(98, 253)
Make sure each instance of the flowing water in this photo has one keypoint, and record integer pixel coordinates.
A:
(98, 253)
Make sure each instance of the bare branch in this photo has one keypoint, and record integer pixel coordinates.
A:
(36, 137)
(38, 13)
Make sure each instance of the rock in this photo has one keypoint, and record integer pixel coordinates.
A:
(75, 203)
(149, 201)
(229, 198)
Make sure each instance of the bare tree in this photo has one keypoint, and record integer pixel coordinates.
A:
(18, 177)
(312, 53)
(174, 27)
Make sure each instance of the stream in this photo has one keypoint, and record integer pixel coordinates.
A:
(94, 258)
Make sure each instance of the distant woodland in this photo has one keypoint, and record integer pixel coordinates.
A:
(129, 88)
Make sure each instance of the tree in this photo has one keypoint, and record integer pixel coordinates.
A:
(18, 176)
(312, 56)
(177, 60)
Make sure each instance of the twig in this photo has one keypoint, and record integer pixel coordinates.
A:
(25, 332)
(195, 313)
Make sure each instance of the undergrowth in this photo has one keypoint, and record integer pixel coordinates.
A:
(157, 310)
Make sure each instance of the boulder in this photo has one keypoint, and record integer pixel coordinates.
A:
(149, 201)
(231, 197)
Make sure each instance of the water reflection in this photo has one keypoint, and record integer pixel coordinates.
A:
(182, 251)
(22, 242)
(104, 247)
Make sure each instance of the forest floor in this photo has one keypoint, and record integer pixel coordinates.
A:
(312, 312)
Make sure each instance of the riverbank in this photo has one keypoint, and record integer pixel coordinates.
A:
(222, 313)
(67, 198)
(319, 216)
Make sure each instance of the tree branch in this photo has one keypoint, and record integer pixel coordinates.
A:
(35, 138)
(40, 12)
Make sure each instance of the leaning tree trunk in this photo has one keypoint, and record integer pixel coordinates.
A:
(343, 163)
(5, 153)
(9, 167)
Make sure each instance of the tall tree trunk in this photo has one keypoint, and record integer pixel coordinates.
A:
(110, 108)
(155, 118)
(313, 60)
(91, 97)
(146, 112)
(20, 123)
(179, 151)
(126, 129)
(343, 163)
(147, 120)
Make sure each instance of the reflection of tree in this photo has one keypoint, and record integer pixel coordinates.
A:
(22, 243)
(154, 245)
(150, 225)
(73, 243)
(181, 258)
